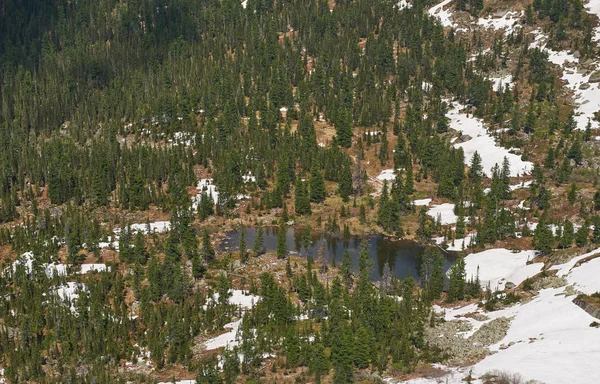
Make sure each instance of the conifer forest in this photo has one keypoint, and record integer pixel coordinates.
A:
(299, 191)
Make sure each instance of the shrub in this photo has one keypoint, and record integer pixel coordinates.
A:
(527, 285)
(502, 377)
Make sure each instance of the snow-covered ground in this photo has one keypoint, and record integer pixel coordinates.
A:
(229, 338)
(586, 94)
(445, 212)
(442, 12)
(501, 82)
(549, 339)
(86, 268)
(553, 342)
(387, 174)
(404, 4)
(508, 22)
(459, 244)
(208, 186)
(56, 269)
(499, 266)
(422, 202)
(484, 144)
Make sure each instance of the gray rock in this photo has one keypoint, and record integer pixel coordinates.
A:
(549, 282)
(594, 77)
(509, 285)
(584, 86)
(236, 264)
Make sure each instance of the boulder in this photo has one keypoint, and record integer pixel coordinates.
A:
(594, 77)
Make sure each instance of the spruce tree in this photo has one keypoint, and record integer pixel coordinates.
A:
(456, 290)
(281, 241)
(302, 199)
(317, 185)
(208, 253)
(343, 128)
(345, 185)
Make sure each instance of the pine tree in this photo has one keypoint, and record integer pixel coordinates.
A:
(317, 185)
(208, 253)
(343, 128)
(243, 249)
(345, 185)
(456, 290)
(346, 268)
(568, 234)
(363, 349)
(302, 199)
(432, 273)
(582, 235)
(140, 255)
(343, 355)
(318, 364)
(281, 241)
(259, 242)
(543, 238)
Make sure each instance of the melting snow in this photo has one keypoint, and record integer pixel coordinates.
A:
(445, 212)
(491, 153)
(442, 12)
(229, 338)
(85, 268)
(422, 202)
(509, 22)
(459, 244)
(387, 174)
(499, 266)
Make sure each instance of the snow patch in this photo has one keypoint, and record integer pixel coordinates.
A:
(499, 266)
(422, 202)
(387, 174)
(445, 212)
(484, 144)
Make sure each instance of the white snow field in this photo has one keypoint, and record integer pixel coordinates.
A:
(499, 266)
(508, 22)
(554, 342)
(387, 174)
(86, 268)
(422, 202)
(586, 277)
(445, 212)
(459, 244)
(442, 12)
(484, 144)
(229, 338)
(501, 82)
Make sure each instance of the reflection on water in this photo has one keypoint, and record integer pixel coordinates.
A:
(403, 256)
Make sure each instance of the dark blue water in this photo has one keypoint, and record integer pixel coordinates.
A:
(403, 256)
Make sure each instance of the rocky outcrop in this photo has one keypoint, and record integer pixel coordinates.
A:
(593, 310)
(594, 77)
(549, 282)
(449, 337)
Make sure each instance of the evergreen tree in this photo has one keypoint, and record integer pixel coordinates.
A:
(243, 249)
(208, 253)
(456, 290)
(568, 234)
(317, 185)
(281, 241)
(432, 272)
(345, 186)
(343, 128)
(543, 238)
(302, 198)
(259, 242)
